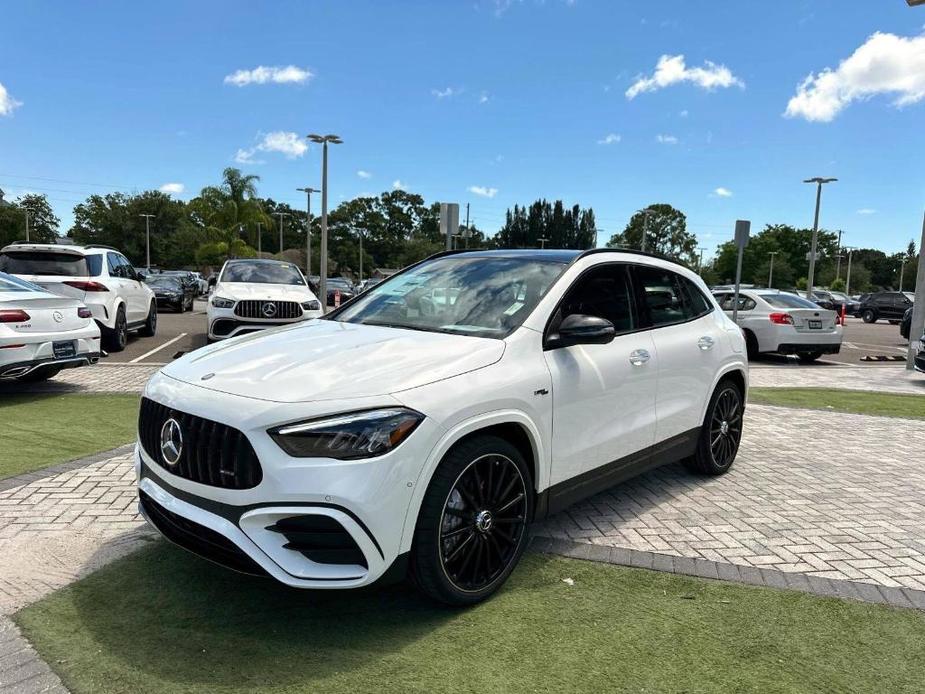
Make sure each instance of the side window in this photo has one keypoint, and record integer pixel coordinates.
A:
(663, 295)
(112, 260)
(128, 272)
(697, 303)
(603, 291)
(728, 302)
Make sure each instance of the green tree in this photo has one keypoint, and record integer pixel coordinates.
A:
(43, 224)
(666, 234)
(547, 224)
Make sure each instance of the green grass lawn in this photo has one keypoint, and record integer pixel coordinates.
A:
(835, 400)
(44, 429)
(164, 621)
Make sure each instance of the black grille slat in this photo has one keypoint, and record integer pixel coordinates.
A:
(319, 538)
(209, 447)
(253, 308)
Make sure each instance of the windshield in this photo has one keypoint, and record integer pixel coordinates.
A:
(478, 296)
(788, 301)
(263, 273)
(162, 281)
(838, 296)
(910, 296)
(44, 263)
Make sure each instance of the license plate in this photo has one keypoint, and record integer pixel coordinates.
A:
(815, 325)
(63, 350)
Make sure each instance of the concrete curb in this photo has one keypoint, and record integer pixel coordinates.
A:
(27, 477)
(703, 568)
(21, 669)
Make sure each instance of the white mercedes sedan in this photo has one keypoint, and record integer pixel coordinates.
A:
(42, 333)
(253, 295)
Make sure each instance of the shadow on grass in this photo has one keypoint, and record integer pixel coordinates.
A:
(180, 618)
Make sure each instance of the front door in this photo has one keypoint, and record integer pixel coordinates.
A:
(603, 395)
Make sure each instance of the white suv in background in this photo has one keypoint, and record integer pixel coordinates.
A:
(99, 276)
(252, 295)
(426, 423)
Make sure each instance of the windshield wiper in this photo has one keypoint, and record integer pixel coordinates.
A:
(401, 326)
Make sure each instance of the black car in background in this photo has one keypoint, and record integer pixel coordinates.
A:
(172, 292)
(905, 327)
(189, 279)
(887, 305)
(343, 286)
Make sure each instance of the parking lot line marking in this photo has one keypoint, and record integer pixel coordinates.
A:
(863, 345)
(157, 349)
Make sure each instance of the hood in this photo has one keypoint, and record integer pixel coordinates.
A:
(251, 290)
(328, 360)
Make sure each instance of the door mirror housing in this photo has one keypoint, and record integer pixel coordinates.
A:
(580, 329)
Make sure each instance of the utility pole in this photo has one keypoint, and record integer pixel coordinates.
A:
(308, 228)
(771, 270)
(645, 228)
(700, 260)
(361, 254)
(542, 240)
(324, 140)
(26, 210)
(147, 240)
(259, 243)
(848, 278)
(902, 270)
(281, 215)
(467, 225)
(819, 181)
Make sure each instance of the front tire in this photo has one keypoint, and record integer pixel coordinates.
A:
(472, 527)
(721, 432)
(149, 329)
(869, 316)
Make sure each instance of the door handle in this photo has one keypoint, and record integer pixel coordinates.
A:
(706, 342)
(638, 357)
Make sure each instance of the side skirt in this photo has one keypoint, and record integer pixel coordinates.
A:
(565, 493)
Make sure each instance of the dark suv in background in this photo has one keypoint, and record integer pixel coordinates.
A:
(888, 305)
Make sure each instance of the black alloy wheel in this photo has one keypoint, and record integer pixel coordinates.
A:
(472, 526)
(483, 522)
(721, 432)
(869, 316)
(149, 329)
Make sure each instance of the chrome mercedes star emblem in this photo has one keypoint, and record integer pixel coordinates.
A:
(57, 316)
(268, 309)
(171, 441)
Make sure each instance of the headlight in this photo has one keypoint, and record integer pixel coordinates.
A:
(222, 302)
(313, 305)
(350, 436)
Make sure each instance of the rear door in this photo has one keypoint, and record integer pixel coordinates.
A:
(688, 344)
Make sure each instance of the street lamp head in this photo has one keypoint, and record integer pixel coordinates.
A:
(819, 179)
(333, 139)
(308, 190)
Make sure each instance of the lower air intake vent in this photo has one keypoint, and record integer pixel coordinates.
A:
(319, 538)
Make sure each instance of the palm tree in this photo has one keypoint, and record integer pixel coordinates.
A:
(224, 209)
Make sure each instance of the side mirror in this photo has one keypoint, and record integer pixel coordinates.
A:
(578, 329)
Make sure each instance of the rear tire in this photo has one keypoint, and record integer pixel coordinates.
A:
(117, 336)
(721, 431)
(809, 357)
(751, 344)
(149, 329)
(869, 316)
(472, 527)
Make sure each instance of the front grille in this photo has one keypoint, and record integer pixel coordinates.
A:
(212, 453)
(198, 538)
(319, 538)
(255, 308)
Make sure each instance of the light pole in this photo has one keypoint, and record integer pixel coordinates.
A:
(324, 140)
(838, 265)
(26, 210)
(700, 260)
(645, 229)
(147, 240)
(542, 240)
(308, 228)
(259, 242)
(771, 270)
(848, 278)
(281, 215)
(360, 234)
(902, 270)
(819, 181)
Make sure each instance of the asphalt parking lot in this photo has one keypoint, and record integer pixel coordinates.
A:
(183, 332)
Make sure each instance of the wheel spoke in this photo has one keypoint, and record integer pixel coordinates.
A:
(462, 545)
(458, 513)
(510, 503)
(456, 531)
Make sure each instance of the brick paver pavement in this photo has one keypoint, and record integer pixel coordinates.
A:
(102, 378)
(883, 379)
(842, 498)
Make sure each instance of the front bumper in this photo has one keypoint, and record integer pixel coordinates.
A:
(174, 302)
(368, 499)
(223, 323)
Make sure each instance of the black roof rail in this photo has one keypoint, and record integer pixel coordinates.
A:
(648, 254)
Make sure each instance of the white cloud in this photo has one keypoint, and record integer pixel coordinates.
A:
(610, 139)
(446, 93)
(397, 184)
(290, 74)
(288, 144)
(666, 139)
(867, 210)
(483, 191)
(246, 156)
(7, 103)
(484, 98)
(671, 69)
(364, 174)
(884, 64)
(174, 188)
(683, 113)
(722, 192)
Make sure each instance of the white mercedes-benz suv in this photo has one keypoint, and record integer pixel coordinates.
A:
(253, 295)
(424, 425)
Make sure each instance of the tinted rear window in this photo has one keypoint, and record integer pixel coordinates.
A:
(788, 301)
(44, 263)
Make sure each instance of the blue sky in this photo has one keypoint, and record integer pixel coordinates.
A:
(484, 102)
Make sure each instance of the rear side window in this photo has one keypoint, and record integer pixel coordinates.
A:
(44, 263)
(669, 298)
(727, 303)
(94, 265)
